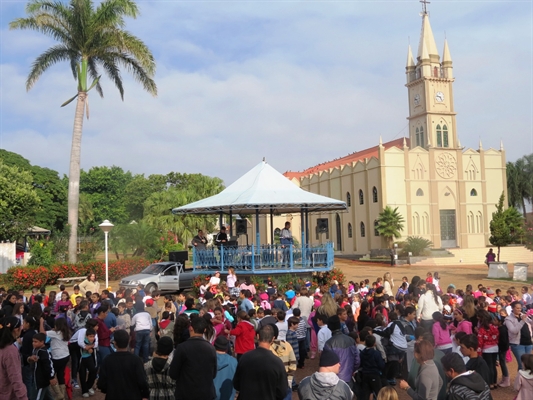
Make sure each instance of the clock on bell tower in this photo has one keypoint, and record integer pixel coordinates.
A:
(430, 93)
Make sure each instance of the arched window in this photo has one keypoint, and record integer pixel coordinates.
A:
(470, 222)
(362, 229)
(420, 192)
(374, 195)
(376, 232)
(479, 219)
(445, 135)
(473, 192)
(416, 224)
(361, 197)
(350, 231)
(421, 136)
(417, 137)
(435, 72)
(425, 223)
(439, 136)
(348, 199)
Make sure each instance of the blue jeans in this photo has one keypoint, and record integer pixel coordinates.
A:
(103, 352)
(518, 350)
(142, 341)
(29, 381)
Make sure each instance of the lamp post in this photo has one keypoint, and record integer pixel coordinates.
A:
(106, 226)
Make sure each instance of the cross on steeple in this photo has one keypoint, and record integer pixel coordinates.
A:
(424, 5)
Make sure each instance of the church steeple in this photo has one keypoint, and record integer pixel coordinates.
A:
(427, 40)
(447, 61)
(410, 65)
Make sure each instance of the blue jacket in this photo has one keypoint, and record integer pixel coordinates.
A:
(344, 346)
(226, 366)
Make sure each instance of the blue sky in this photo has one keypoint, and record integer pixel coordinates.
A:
(296, 82)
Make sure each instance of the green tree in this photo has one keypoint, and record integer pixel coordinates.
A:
(519, 182)
(104, 188)
(50, 189)
(90, 39)
(515, 222)
(390, 224)
(137, 192)
(500, 232)
(19, 202)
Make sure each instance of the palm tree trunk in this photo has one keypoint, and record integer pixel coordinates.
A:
(74, 177)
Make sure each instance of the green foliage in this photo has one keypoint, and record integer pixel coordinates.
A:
(390, 224)
(41, 253)
(135, 239)
(500, 232)
(416, 245)
(519, 182)
(104, 188)
(19, 202)
(138, 190)
(49, 188)
(515, 222)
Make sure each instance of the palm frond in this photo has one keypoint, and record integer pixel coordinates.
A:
(138, 72)
(111, 12)
(113, 72)
(94, 74)
(50, 57)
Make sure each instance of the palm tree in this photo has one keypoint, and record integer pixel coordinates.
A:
(390, 224)
(90, 39)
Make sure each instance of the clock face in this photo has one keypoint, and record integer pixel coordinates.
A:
(417, 99)
(439, 96)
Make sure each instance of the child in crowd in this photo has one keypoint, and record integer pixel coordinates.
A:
(43, 370)
(292, 337)
(469, 348)
(88, 363)
(324, 334)
(524, 379)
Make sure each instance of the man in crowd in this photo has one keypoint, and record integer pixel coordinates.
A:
(325, 384)
(260, 374)
(464, 385)
(194, 365)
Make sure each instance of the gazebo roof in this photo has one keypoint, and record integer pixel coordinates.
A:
(263, 189)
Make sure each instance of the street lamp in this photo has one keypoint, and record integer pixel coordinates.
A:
(106, 226)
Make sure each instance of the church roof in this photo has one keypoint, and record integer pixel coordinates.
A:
(349, 159)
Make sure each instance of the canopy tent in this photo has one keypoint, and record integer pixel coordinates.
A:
(265, 190)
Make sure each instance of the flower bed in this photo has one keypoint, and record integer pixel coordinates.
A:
(27, 277)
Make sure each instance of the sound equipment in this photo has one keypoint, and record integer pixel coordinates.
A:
(322, 225)
(241, 225)
(178, 256)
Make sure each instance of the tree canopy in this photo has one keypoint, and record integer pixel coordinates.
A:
(390, 224)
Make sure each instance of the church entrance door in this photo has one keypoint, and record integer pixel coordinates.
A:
(339, 232)
(448, 235)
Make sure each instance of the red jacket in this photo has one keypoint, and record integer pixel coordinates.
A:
(487, 338)
(244, 334)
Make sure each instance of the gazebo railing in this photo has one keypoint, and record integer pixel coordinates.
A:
(265, 258)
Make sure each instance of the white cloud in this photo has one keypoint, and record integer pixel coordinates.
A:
(297, 83)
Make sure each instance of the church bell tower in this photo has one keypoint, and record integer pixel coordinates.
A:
(430, 91)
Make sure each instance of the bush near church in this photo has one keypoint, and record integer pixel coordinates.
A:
(27, 277)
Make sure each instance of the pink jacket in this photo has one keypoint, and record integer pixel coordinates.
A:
(464, 326)
(524, 385)
(442, 336)
(11, 385)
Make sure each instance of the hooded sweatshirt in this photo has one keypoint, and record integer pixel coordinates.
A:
(324, 386)
(524, 385)
(161, 385)
(469, 386)
(226, 366)
(285, 353)
(244, 334)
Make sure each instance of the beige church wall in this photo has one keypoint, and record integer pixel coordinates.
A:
(468, 186)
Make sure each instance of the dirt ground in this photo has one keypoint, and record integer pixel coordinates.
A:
(460, 276)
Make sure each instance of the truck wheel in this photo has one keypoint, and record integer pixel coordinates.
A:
(150, 288)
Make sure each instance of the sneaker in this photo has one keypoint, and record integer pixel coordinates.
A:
(91, 392)
(85, 395)
(75, 385)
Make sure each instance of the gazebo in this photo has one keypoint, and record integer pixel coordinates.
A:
(263, 190)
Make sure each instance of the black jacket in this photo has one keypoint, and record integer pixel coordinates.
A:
(469, 386)
(480, 366)
(122, 376)
(43, 368)
(371, 361)
(194, 367)
(260, 375)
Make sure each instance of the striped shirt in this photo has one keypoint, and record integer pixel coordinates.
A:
(301, 331)
(293, 341)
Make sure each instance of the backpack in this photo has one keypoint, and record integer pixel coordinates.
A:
(81, 319)
(265, 305)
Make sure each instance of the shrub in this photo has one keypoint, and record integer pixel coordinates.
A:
(416, 245)
(27, 277)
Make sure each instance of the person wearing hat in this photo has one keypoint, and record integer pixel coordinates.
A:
(325, 384)
(226, 366)
(161, 385)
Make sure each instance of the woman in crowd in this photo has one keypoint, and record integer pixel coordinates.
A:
(59, 338)
(388, 284)
(11, 385)
(428, 303)
(518, 326)
(428, 380)
(90, 285)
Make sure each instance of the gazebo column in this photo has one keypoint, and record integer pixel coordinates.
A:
(302, 225)
(271, 227)
(220, 216)
(230, 223)
(306, 226)
(257, 236)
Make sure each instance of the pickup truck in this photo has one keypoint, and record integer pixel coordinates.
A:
(168, 276)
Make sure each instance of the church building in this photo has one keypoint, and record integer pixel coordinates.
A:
(445, 193)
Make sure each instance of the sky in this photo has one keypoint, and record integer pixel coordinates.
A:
(296, 82)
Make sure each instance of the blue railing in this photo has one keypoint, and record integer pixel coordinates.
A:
(266, 258)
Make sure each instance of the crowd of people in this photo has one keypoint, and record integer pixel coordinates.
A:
(370, 338)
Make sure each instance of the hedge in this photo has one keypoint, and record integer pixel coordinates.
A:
(27, 277)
